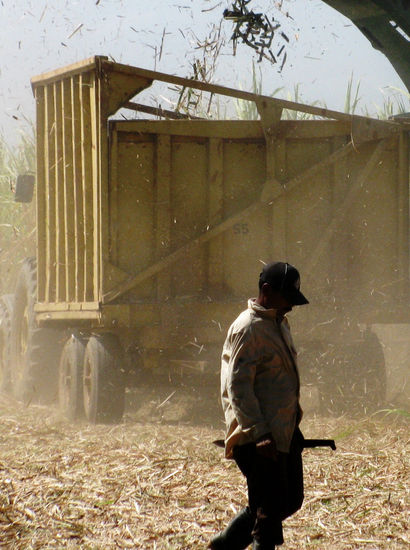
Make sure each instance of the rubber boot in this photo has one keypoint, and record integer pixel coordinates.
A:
(237, 534)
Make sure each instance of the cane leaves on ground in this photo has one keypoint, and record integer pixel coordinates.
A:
(165, 486)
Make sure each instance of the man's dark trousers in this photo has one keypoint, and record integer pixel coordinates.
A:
(275, 488)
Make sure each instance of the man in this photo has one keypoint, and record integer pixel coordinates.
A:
(260, 398)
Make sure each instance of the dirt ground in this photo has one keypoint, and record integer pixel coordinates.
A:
(162, 484)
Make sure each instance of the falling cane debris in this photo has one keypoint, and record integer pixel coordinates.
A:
(253, 29)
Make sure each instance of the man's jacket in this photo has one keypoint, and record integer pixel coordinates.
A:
(259, 379)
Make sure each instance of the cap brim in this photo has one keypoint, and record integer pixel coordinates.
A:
(296, 298)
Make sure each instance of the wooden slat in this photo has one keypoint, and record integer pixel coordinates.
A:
(67, 306)
(215, 212)
(232, 129)
(339, 271)
(67, 72)
(158, 111)
(213, 231)
(313, 129)
(103, 186)
(270, 120)
(45, 319)
(279, 211)
(326, 236)
(78, 189)
(49, 156)
(194, 128)
(59, 229)
(163, 210)
(41, 203)
(88, 209)
(113, 196)
(403, 211)
(68, 182)
(94, 182)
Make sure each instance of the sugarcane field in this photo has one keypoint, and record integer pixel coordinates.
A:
(205, 275)
(161, 483)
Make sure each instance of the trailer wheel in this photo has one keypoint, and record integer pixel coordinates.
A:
(104, 379)
(34, 351)
(70, 378)
(354, 378)
(5, 334)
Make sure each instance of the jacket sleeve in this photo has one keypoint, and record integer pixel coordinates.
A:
(240, 384)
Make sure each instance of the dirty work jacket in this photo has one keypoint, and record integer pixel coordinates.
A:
(259, 379)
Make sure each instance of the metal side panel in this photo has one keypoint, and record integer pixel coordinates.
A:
(193, 212)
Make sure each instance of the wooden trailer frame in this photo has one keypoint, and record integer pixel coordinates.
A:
(77, 283)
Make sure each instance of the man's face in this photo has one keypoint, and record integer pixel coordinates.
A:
(273, 299)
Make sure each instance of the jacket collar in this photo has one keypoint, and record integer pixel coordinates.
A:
(271, 314)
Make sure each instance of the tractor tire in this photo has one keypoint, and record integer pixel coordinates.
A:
(5, 345)
(353, 379)
(104, 380)
(70, 378)
(34, 350)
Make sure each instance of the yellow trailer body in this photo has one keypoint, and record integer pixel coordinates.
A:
(118, 201)
(156, 229)
(172, 182)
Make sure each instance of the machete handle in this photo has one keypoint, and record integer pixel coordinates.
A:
(310, 443)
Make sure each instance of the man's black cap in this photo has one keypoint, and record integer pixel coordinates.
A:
(284, 278)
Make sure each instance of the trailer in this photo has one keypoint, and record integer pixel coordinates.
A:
(151, 234)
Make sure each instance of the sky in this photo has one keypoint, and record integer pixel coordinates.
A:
(324, 49)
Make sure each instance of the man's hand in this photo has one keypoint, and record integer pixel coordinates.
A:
(266, 447)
